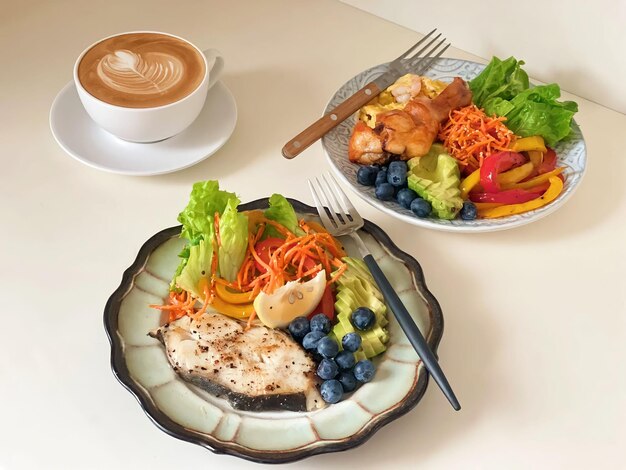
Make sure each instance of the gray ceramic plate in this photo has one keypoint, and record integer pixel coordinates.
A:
(186, 412)
(571, 153)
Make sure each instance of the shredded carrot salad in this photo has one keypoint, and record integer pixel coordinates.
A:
(287, 261)
(183, 303)
(297, 258)
(470, 136)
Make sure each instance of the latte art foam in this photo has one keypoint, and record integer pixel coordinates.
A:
(129, 72)
(141, 70)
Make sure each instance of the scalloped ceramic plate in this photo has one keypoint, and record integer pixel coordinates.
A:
(186, 412)
(571, 152)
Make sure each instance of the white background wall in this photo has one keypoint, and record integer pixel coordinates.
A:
(579, 44)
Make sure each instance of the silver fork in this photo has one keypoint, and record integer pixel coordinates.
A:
(411, 61)
(341, 218)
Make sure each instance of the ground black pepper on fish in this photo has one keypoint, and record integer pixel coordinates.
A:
(260, 369)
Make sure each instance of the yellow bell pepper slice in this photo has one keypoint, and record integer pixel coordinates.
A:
(536, 157)
(534, 142)
(240, 311)
(469, 182)
(536, 181)
(555, 188)
(317, 227)
(231, 297)
(487, 205)
(516, 174)
(254, 218)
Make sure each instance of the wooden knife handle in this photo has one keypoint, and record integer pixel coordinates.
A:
(324, 124)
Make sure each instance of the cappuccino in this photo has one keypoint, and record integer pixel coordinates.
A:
(141, 70)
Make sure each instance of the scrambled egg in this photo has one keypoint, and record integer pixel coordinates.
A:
(397, 95)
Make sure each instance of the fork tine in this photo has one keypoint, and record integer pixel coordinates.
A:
(338, 208)
(419, 53)
(347, 205)
(422, 67)
(330, 210)
(332, 203)
(321, 210)
(423, 63)
(412, 48)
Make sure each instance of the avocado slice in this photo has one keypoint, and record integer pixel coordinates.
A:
(356, 288)
(436, 178)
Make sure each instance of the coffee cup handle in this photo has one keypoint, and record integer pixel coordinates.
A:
(215, 63)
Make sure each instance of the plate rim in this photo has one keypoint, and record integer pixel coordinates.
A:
(167, 425)
(426, 223)
(112, 170)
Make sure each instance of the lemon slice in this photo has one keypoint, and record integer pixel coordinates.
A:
(292, 300)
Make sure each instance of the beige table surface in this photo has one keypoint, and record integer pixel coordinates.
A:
(535, 335)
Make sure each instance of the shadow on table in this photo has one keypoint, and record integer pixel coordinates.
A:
(468, 352)
(272, 106)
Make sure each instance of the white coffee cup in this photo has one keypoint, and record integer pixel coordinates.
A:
(155, 123)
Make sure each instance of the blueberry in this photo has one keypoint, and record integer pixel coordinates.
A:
(299, 327)
(385, 191)
(397, 173)
(381, 177)
(327, 369)
(468, 211)
(366, 175)
(345, 360)
(331, 391)
(405, 197)
(364, 370)
(347, 380)
(351, 342)
(320, 322)
(327, 347)
(421, 207)
(311, 339)
(363, 318)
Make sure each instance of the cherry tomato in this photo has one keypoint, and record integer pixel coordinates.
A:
(264, 250)
(326, 305)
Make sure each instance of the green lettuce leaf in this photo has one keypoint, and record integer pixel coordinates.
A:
(498, 106)
(503, 89)
(198, 222)
(197, 268)
(536, 111)
(205, 200)
(501, 79)
(280, 210)
(234, 237)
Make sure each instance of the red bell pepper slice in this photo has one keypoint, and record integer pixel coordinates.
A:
(497, 163)
(510, 196)
(549, 162)
(547, 165)
(326, 305)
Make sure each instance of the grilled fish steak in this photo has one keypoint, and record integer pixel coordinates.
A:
(259, 369)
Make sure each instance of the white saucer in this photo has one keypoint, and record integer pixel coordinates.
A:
(81, 138)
